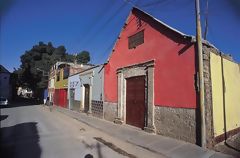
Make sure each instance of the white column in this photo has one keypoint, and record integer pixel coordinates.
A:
(90, 95)
(119, 119)
(150, 120)
(82, 98)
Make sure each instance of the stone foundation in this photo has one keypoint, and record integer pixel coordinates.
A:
(76, 105)
(178, 123)
(97, 108)
(67, 105)
(109, 111)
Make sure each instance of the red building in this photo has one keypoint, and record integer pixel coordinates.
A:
(149, 79)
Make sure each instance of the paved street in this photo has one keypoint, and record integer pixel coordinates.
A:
(32, 131)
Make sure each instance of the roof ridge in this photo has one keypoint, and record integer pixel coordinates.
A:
(161, 22)
(3, 69)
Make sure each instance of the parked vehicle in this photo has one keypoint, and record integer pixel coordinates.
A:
(3, 101)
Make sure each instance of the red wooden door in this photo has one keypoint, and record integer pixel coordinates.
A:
(60, 97)
(135, 101)
(63, 98)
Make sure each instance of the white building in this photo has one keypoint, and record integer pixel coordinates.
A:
(5, 85)
(85, 91)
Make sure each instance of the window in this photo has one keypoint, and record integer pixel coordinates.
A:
(65, 72)
(135, 40)
(58, 76)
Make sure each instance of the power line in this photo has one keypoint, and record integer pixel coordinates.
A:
(167, 3)
(107, 50)
(98, 31)
(115, 39)
(113, 42)
(206, 21)
(129, 2)
(155, 3)
(92, 24)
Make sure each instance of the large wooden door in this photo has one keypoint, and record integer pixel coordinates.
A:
(62, 100)
(86, 98)
(135, 101)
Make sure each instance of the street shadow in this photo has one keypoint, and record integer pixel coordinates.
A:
(19, 102)
(93, 146)
(3, 117)
(88, 156)
(20, 141)
(99, 152)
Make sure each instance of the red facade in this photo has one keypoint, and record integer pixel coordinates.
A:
(174, 61)
(60, 97)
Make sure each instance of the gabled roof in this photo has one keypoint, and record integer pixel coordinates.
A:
(135, 9)
(190, 37)
(3, 69)
(173, 29)
(160, 22)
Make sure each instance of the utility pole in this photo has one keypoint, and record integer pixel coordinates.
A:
(200, 71)
(206, 21)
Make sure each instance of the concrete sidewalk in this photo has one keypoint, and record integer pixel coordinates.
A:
(159, 144)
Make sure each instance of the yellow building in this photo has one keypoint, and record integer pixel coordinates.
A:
(61, 79)
(61, 82)
(225, 76)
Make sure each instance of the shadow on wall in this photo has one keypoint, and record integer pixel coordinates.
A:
(20, 141)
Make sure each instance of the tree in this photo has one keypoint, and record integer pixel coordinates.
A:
(83, 57)
(37, 60)
(40, 59)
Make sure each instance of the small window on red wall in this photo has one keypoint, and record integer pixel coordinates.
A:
(135, 40)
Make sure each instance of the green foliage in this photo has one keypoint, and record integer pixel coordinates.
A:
(83, 57)
(38, 61)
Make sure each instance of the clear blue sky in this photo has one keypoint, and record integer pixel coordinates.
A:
(93, 25)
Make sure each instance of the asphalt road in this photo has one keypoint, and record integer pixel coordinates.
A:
(32, 131)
